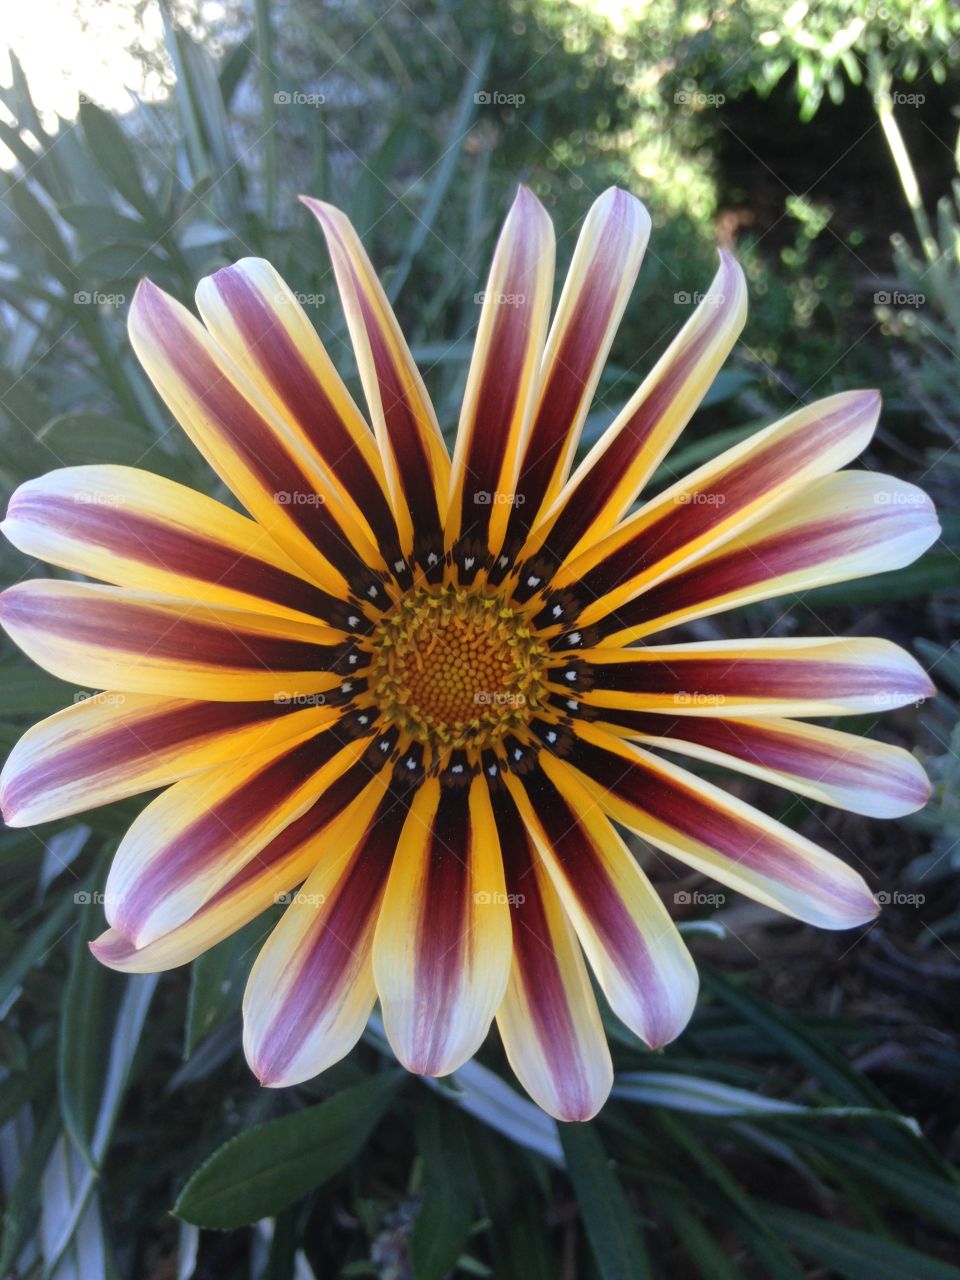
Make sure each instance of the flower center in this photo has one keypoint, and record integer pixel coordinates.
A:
(456, 668)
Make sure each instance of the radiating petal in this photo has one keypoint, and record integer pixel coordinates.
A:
(617, 468)
(141, 642)
(189, 842)
(441, 954)
(502, 386)
(111, 745)
(837, 768)
(548, 1021)
(139, 530)
(414, 455)
(794, 677)
(717, 502)
(632, 944)
(311, 989)
(602, 274)
(257, 319)
(715, 833)
(270, 466)
(279, 867)
(848, 525)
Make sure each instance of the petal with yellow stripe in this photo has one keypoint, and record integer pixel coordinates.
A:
(548, 1021)
(258, 320)
(135, 529)
(848, 525)
(715, 503)
(266, 880)
(633, 946)
(188, 843)
(414, 455)
(715, 833)
(602, 274)
(842, 769)
(615, 471)
(441, 955)
(782, 677)
(311, 989)
(268, 463)
(502, 386)
(142, 642)
(112, 745)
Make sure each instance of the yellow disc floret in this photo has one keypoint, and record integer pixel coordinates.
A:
(455, 667)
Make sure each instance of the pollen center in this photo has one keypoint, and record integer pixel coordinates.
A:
(456, 668)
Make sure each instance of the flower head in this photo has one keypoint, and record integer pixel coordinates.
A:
(405, 696)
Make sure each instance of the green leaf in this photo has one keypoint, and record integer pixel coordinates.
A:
(608, 1219)
(446, 1214)
(217, 979)
(115, 158)
(855, 1254)
(268, 1167)
(84, 1031)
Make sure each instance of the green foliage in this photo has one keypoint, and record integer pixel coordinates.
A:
(766, 1141)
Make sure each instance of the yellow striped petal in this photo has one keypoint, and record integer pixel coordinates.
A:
(414, 455)
(441, 955)
(502, 386)
(111, 745)
(189, 842)
(794, 677)
(141, 642)
(135, 529)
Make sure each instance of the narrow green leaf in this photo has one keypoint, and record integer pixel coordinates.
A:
(608, 1220)
(855, 1254)
(446, 1214)
(268, 1167)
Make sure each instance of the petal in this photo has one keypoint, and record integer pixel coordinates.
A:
(311, 989)
(441, 955)
(411, 445)
(271, 467)
(716, 833)
(602, 274)
(502, 384)
(139, 642)
(111, 745)
(606, 484)
(795, 677)
(138, 530)
(548, 1021)
(836, 768)
(188, 843)
(279, 867)
(844, 526)
(714, 504)
(258, 321)
(632, 944)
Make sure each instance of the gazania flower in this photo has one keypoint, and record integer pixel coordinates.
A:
(405, 693)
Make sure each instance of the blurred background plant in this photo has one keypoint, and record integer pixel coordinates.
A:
(805, 1125)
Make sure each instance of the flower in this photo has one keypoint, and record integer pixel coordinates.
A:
(404, 695)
